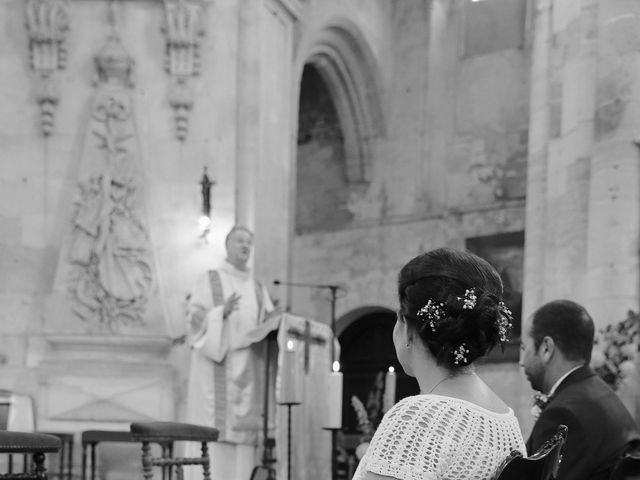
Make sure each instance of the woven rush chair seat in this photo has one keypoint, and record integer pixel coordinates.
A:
(34, 444)
(158, 432)
(22, 442)
(173, 431)
(97, 436)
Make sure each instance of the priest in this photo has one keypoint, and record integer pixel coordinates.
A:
(225, 304)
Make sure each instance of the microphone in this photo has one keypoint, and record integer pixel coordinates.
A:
(310, 285)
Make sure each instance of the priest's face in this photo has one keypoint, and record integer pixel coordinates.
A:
(239, 246)
(532, 363)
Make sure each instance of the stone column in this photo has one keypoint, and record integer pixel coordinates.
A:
(536, 208)
(248, 118)
(561, 145)
(442, 55)
(264, 130)
(614, 206)
(274, 172)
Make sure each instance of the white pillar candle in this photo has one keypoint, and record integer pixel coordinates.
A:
(289, 392)
(389, 397)
(334, 398)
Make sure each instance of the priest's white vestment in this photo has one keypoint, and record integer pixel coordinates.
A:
(225, 376)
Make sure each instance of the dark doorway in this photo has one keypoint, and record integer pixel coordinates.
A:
(367, 352)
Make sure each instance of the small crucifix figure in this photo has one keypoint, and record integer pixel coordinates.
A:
(206, 185)
(308, 339)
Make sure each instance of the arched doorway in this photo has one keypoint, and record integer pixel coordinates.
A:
(367, 352)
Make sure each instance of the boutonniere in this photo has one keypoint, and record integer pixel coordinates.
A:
(540, 401)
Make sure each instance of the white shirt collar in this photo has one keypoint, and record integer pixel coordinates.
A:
(559, 381)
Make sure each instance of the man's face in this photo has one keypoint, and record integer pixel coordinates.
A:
(239, 247)
(531, 363)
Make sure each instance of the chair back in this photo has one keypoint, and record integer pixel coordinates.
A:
(542, 465)
(627, 468)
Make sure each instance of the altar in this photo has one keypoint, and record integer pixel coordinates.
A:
(296, 354)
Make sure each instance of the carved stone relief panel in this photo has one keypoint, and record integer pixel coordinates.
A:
(47, 26)
(109, 254)
(183, 29)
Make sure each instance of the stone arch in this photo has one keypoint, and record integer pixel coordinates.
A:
(367, 351)
(356, 314)
(346, 63)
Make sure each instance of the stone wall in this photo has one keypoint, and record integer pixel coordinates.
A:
(39, 175)
(449, 165)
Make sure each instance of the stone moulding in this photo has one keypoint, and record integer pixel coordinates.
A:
(183, 30)
(346, 62)
(47, 23)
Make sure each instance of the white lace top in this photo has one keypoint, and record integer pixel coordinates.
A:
(429, 437)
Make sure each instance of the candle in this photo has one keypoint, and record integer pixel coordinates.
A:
(389, 397)
(334, 398)
(289, 375)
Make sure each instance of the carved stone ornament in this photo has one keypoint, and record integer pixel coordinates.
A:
(110, 258)
(114, 66)
(183, 29)
(47, 27)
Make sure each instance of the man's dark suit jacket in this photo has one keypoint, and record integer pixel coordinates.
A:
(600, 427)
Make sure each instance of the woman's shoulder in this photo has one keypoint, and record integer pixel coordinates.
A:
(443, 402)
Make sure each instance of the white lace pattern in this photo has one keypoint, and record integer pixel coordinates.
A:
(429, 437)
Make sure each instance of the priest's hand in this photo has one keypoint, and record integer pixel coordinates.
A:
(230, 305)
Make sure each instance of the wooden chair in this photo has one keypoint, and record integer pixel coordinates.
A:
(542, 465)
(29, 444)
(65, 457)
(169, 432)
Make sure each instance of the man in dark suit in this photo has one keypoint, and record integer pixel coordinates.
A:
(555, 355)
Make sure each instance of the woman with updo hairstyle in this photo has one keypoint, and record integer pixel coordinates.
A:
(451, 314)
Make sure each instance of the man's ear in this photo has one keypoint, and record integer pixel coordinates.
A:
(547, 349)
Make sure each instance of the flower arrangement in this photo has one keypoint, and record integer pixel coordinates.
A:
(364, 423)
(368, 417)
(615, 350)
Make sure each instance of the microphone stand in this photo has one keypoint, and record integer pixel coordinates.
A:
(334, 297)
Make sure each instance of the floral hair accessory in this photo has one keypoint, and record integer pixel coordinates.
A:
(505, 322)
(432, 312)
(460, 354)
(469, 300)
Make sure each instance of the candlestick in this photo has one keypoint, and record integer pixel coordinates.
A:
(334, 398)
(389, 397)
(289, 392)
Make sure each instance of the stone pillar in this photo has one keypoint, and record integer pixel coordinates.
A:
(248, 131)
(536, 209)
(264, 131)
(614, 206)
(570, 148)
(274, 170)
(443, 53)
(582, 212)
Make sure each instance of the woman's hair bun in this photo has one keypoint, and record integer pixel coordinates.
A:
(455, 305)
